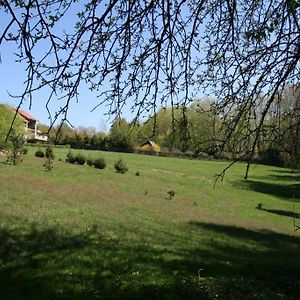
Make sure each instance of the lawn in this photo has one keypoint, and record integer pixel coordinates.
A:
(82, 233)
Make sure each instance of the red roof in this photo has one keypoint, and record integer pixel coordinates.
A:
(26, 115)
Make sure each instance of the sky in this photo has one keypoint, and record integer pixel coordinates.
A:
(12, 83)
(13, 76)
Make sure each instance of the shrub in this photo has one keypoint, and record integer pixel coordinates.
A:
(271, 156)
(15, 155)
(137, 173)
(49, 152)
(25, 151)
(49, 158)
(70, 157)
(100, 163)
(90, 161)
(80, 159)
(39, 153)
(171, 194)
(120, 166)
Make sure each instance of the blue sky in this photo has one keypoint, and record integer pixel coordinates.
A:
(12, 80)
(13, 76)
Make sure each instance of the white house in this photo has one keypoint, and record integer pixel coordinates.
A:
(30, 123)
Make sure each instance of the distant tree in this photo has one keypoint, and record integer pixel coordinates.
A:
(120, 136)
(6, 118)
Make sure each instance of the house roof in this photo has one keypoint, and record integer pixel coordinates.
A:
(25, 114)
(151, 143)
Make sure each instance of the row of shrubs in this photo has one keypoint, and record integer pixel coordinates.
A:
(98, 163)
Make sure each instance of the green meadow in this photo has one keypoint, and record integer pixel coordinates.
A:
(82, 233)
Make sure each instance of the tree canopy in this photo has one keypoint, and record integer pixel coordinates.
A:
(156, 53)
(6, 117)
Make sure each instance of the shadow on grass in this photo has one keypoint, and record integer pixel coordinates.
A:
(283, 191)
(287, 177)
(280, 212)
(271, 267)
(237, 263)
(285, 171)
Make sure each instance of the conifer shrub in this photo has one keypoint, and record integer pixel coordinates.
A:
(49, 158)
(15, 155)
(90, 162)
(99, 163)
(80, 159)
(120, 166)
(70, 157)
(49, 153)
(39, 153)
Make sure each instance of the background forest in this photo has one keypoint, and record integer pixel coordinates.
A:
(197, 131)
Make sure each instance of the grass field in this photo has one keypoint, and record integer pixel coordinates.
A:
(82, 233)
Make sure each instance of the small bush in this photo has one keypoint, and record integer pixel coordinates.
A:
(70, 157)
(39, 153)
(90, 161)
(80, 159)
(137, 173)
(25, 151)
(100, 163)
(15, 155)
(171, 194)
(120, 166)
(49, 158)
(49, 153)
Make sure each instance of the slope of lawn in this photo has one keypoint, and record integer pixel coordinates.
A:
(82, 233)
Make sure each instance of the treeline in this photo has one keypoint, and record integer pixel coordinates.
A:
(199, 130)
(190, 131)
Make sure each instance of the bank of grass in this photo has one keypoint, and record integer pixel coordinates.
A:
(82, 233)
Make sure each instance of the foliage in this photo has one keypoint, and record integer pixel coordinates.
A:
(17, 141)
(80, 159)
(70, 157)
(243, 53)
(271, 156)
(90, 162)
(25, 151)
(99, 163)
(39, 153)
(6, 118)
(49, 154)
(119, 136)
(171, 194)
(120, 166)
